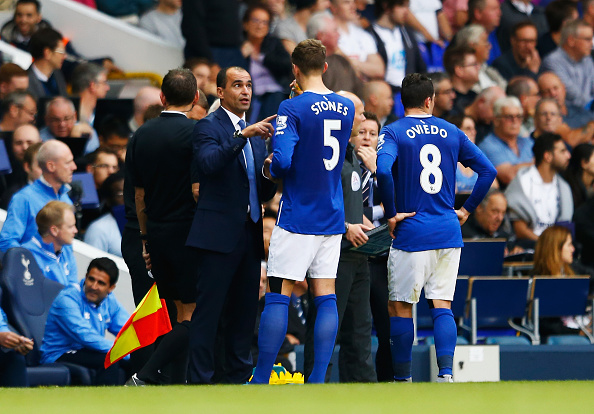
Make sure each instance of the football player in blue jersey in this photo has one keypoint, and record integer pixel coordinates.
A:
(417, 158)
(312, 132)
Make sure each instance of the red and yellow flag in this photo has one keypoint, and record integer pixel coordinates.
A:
(147, 323)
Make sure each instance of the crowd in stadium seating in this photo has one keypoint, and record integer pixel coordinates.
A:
(517, 76)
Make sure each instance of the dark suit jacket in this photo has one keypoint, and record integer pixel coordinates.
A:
(36, 87)
(224, 188)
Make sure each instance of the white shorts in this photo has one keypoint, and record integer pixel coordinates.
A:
(292, 255)
(434, 270)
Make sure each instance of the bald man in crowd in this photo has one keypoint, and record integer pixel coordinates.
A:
(57, 165)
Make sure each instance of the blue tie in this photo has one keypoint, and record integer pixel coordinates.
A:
(255, 208)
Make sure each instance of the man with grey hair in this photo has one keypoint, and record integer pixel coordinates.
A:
(481, 111)
(476, 37)
(526, 90)
(573, 64)
(19, 108)
(505, 148)
(89, 82)
(61, 122)
(57, 165)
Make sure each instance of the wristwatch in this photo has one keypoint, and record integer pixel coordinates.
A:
(346, 227)
(238, 134)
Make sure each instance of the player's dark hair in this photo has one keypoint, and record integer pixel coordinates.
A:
(370, 116)
(42, 39)
(36, 3)
(415, 89)
(559, 11)
(544, 143)
(309, 56)
(106, 265)
(454, 56)
(382, 6)
(222, 75)
(179, 87)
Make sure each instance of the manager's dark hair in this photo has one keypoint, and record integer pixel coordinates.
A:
(179, 87)
(415, 89)
(106, 265)
(543, 144)
(222, 75)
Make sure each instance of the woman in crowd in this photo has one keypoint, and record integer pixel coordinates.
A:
(267, 61)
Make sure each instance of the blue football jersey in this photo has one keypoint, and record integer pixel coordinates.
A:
(312, 132)
(420, 153)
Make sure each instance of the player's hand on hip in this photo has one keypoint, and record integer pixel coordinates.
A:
(262, 129)
(369, 157)
(356, 234)
(396, 219)
(462, 215)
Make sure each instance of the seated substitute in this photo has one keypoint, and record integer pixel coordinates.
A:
(77, 321)
(52, 245)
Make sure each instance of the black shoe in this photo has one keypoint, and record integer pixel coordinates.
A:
(134, 381)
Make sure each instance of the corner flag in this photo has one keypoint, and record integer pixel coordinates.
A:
(149, 321)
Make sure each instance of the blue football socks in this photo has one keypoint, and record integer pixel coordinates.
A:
(401, 342)
(445, 332)
(325, 331)
(271, 334)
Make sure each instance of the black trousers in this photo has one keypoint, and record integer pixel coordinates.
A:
(227, 289)
(13, 369)
(354, 322)
(378, 268)
(116, 374)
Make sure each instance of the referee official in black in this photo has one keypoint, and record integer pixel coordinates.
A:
(162, 155)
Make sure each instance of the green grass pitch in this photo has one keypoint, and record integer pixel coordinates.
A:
(504, 397)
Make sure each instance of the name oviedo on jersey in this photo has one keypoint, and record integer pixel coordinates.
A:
(425, 129)
(326, 105)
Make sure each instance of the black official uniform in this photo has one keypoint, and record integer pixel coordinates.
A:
(162, 154)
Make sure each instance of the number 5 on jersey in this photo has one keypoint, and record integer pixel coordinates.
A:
(331, 141)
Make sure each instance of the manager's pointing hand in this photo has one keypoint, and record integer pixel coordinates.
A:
(263, 128)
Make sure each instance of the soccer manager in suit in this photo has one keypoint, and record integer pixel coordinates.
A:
(227, 230)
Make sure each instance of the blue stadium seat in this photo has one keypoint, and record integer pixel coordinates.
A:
(558, 297)
(493, 302)
(567, 340)
(29, 296)
(507, 340)
(50, 374)
(483, 257)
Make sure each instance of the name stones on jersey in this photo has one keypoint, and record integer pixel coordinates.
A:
(326, 105)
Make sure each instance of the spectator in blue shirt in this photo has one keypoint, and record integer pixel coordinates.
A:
(77, 321)
(504, 147)
(52, 245)
(57, 165)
